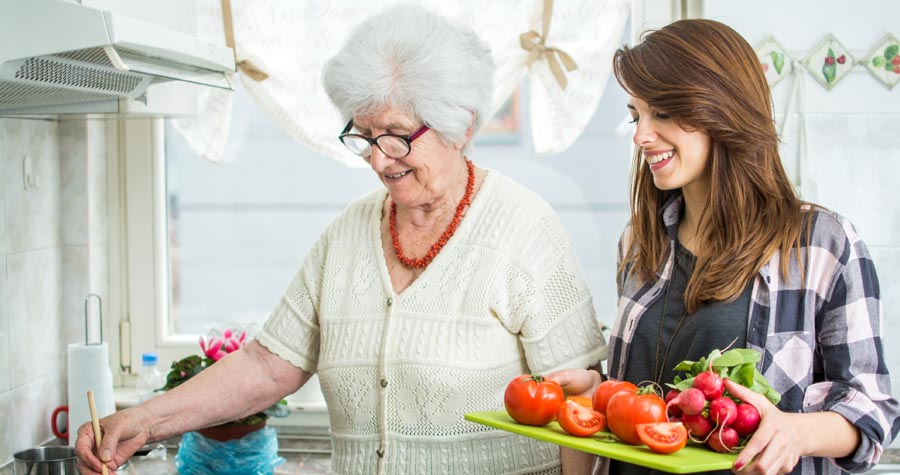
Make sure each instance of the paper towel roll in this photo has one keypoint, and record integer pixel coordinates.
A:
(88, 370)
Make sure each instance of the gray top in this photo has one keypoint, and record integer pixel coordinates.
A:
(694, 337)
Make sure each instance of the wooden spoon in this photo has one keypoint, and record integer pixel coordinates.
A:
(96, 423)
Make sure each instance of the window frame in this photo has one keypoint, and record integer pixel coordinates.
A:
(139, 280)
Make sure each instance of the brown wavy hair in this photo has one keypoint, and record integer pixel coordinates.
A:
(707, 78)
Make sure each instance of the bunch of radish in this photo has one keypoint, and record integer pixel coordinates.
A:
(710, 414)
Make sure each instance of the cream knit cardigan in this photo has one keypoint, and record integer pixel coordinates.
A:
(504, 297)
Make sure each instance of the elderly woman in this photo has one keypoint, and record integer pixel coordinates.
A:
(423, 298)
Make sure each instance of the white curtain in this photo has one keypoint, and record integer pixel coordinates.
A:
(292, 40)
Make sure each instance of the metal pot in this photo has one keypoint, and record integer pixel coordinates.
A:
(51, 460)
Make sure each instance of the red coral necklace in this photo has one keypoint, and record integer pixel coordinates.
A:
(451, 228)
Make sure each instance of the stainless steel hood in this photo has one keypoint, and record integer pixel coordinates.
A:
(63, 57)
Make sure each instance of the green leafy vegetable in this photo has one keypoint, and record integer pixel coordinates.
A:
(891, 51)
(738, 365)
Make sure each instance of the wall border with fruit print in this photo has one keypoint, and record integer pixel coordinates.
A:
(829, 62)
(883, 61)
(777, 62)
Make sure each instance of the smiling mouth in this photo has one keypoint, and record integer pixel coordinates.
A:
(659, 157)
(396, 175)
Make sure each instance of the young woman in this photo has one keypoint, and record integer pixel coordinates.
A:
(721, 252)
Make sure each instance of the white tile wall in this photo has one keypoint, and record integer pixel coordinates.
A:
(75, 261)
(74, 189)
(855, 162)
(95, 144)
(3, 229)
(32, 217)
(53, 248)
(32, 405)
(5, 350)
(887, 262)
(6, 420)
(35, 301)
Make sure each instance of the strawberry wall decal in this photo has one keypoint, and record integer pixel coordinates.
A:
(829, 62)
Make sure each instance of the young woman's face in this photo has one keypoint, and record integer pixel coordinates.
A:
(677, 158)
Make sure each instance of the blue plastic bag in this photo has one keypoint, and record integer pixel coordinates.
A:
(254, 454)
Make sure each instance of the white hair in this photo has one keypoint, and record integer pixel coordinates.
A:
(408, 58)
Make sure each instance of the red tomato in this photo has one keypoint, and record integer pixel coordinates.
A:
(663, 437)
(583, 400)
(532, 400)
(579, 420)
(605, 391)
(628, 409)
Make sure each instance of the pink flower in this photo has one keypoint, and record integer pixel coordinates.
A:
(213, 350)
(217, 347)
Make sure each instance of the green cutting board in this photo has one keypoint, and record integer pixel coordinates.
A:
(691, 459)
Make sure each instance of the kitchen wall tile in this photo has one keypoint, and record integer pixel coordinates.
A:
(32, 405)
(4, 137)
(855, 161)
(73, 176)
(84, 272)
(75, 274)
(4, 329)
(96, 180)
(887, 264)
(6, 428)
(35, 301)
(32, 216)
(98, 283)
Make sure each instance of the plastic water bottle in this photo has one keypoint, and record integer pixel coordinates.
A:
(150, 377)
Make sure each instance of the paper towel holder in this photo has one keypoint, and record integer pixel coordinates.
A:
(100, 313)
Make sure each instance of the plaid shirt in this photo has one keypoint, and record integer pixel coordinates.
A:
(820, 336)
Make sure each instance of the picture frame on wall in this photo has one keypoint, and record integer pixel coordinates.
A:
(829, 62)
(883, 61)
(505, 126)
(775, 60)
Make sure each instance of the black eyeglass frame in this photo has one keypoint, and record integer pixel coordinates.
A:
(374, 140)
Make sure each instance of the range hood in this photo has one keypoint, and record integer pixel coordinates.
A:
(59, 57)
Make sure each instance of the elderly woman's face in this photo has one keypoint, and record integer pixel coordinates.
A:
(421, 177)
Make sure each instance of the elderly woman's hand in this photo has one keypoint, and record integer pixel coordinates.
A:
(122, 437)
(576, 382)
(777, 444)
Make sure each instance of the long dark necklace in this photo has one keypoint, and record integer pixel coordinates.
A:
(661, 366)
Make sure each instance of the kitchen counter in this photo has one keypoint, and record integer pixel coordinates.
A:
(310, 454)
(306, 452)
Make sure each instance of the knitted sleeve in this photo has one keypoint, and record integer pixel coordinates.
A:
(555, 319)
(292, 330)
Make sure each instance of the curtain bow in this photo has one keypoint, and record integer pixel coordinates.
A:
(535, 44)
(245, 66)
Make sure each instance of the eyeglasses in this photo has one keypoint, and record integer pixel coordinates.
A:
(392, 145)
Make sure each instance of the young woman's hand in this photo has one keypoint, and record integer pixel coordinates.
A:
(778, 443)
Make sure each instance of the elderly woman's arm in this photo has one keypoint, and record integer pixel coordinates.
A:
(243, 383)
